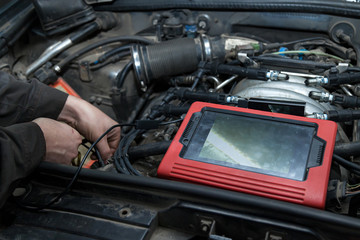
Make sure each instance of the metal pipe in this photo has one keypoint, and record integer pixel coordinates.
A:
(48, 54)
(224, 83)
(214, 79)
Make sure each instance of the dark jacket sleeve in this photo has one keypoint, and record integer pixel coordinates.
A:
(22, 147)
(23, 102)
(22, 143)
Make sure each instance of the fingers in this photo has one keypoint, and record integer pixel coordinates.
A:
(62, 141)
(104, 149)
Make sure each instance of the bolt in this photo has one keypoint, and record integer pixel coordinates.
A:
(57, 69)
(202, 24)
(205, 228)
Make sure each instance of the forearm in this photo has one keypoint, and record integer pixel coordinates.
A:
(22, 147)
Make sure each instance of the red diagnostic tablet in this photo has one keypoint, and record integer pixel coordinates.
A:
(262, 153)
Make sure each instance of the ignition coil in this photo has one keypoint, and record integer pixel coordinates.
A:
(345, 101)
(252, 73)
(335, 79)
(345, 115)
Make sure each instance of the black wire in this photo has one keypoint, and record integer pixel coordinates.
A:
(120, 77)
(276, 45)
(98, 155)
(122, 162)
(355, 69)
(114, 51)
(119, 163)
(199, 74)
(171, 122)
(128, 165)
(352, 167)
(108, 61)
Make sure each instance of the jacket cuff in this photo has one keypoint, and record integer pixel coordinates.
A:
(51, 101)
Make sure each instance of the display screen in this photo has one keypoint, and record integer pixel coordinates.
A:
(255, 144)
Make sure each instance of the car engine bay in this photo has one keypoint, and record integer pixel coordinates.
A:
(145, 65)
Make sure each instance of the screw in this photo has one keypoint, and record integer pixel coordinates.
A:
(205, 228)
(202, 24)
(57, 69)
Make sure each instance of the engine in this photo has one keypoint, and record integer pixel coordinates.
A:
(146, 67)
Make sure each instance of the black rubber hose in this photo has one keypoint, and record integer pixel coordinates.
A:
(149, 149)
(61, 65)
(120, 77)
(252, 73)
(114, 51)
(84, 32)
(271, 60)
(325, 7)
(352, 167)
(343, 115)
(111, 60)
(347, 149)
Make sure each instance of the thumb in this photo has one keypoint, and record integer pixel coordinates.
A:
(104, 149)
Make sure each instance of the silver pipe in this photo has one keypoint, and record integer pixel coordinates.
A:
(305, 75)
(48, 54)
(214, 79)
(346, 90)
(226, 82)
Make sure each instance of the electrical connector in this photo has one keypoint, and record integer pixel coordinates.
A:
(276, 76)
(318, 81)
(321, 96)
(147, 124)
(335, 192)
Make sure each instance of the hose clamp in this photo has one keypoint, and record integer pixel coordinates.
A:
(206, 47)
(140, 75)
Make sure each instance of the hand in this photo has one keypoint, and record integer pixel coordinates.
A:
(91, 123)
(62, 141)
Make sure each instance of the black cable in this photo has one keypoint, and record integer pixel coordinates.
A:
(122, 162)
(276, 45)
(96, 151)
(171, 122)
(98, 155)
(198, 75)
(125, 157)
(95, 66)
(352, 167)
(120, 77)
(67, 189)
(112, 52)
(61, 65)
(355, 69)
(119, 163)
(149, 149)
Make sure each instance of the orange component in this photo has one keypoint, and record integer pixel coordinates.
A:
(89, 163)
(63, 86)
